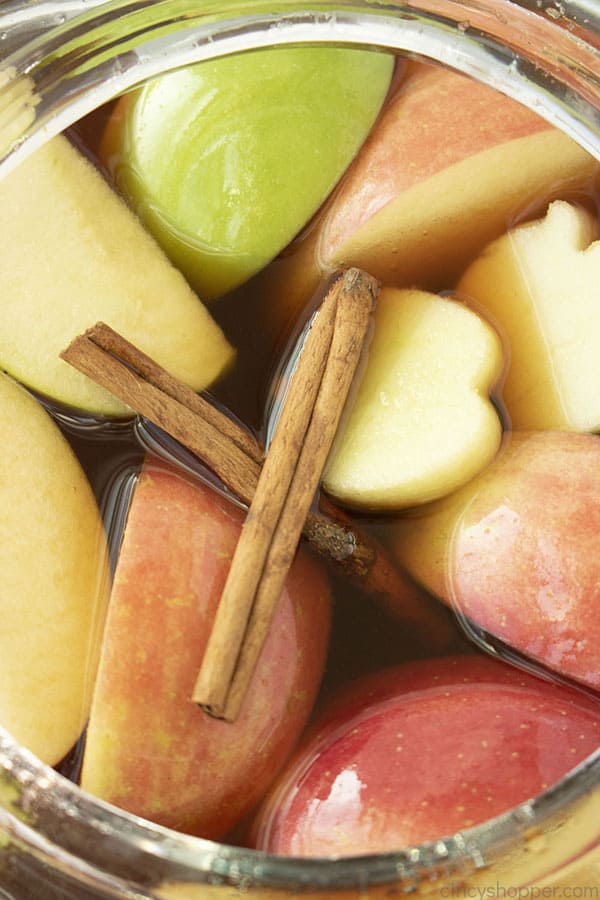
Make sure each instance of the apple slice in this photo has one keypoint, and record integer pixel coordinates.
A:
(227, 160)
(422, 422)
(448, 166)
(149, 748)
(54, 573)
(71, 253)
(424, 750)
(516, 550)
(540, 283)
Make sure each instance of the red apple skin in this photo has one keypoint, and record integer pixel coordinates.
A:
(422, 751)
(447, 167)
(424, 108)
(526, 553)
(517, 551)
(150, 750)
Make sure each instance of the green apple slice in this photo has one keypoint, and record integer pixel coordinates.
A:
(540, 283)
(72, 253)
(422, 422)
(53, 565)
(227, 160)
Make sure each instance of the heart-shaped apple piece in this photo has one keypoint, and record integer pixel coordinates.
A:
(422, 422)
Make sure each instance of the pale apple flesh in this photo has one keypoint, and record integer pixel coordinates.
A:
(53, 561)
(449, 164)
(516, 551)
(254, 144)
(421, 751)
(540, 284)
(149, 748)
(71, 254)
(422, 422)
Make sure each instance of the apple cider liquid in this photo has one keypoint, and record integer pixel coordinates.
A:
(467, 452)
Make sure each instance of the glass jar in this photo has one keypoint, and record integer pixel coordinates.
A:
(61, 60)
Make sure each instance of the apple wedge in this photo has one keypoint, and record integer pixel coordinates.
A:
(149, 748)
(449, 165)
(540, 284)
(72, 253)
(423, 750)
(516, 550)
(422, 422)
(227, 160)
(54, 580)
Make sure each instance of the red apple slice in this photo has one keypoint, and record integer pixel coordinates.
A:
(425, 750)
(517, 550)
(448, 166)
(150, 749)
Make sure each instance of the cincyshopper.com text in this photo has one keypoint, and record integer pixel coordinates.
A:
(498, 891)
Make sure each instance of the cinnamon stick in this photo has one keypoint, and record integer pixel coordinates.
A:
(236, 457)
(114, 363)
(231, 452)
(287, 485)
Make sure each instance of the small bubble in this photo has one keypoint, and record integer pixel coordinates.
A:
(440, 850)
(537, 843)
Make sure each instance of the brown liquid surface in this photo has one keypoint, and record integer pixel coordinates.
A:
(364, 637)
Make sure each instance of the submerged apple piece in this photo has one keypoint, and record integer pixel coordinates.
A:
(448, 164)
(227, 160)
(423, 750)
(149, 748)
(540, 283)
(422, 422)
(54, 580)
(72, 253)
(517, 550)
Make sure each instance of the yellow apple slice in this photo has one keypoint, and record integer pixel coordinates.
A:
(540, 282)
(53, 575)
(72, 253)
(422, 422)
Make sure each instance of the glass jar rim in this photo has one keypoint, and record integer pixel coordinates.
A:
(92, 53)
